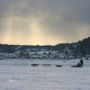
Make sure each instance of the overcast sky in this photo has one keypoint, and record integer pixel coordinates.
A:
(44, 21)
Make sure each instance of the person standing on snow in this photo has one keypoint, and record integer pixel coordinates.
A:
(81, 63)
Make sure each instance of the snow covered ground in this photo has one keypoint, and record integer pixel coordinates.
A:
(20, 75)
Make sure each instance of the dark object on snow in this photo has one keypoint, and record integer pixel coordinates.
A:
(59, 66)
(46, 64)
(34, 65)
(76, 66)
(80, 64)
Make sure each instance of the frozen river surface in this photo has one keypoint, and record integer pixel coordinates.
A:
(20, 75)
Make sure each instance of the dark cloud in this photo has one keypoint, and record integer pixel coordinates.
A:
(66, 19)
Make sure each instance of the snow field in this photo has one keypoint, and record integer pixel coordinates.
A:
(20, 75)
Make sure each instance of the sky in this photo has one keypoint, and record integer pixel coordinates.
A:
(44, 22)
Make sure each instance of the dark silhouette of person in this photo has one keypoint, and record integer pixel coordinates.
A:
(80, 64)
